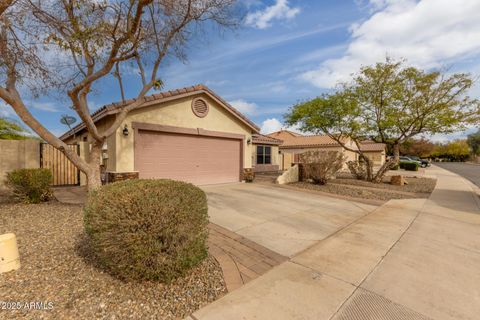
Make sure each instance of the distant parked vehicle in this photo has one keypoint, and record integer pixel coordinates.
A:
(409, 164)
(423, 163)
(408, 159)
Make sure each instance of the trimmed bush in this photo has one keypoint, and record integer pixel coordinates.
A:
(147, 229)
(30, 185)
(409, 166)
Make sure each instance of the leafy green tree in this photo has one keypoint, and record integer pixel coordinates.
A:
(389, 102)
(11, 130)
(473, 141)
(335, 115)
(457, 150)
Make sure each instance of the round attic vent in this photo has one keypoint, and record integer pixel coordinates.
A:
(199, 107)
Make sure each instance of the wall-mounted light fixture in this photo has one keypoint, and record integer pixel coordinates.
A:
(249, 141)
(125, 131)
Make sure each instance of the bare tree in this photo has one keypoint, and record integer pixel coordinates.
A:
(69, 46)
(4, 5)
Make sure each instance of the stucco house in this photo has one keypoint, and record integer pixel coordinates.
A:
(294, 144)
(266, 156)
(188, 134)
(374, 151)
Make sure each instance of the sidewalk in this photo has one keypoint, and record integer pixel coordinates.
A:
(408, 259)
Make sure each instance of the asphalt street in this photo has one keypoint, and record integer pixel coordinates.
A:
(466, 170)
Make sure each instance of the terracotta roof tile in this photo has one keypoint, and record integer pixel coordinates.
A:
(296, 140)
(372, 146)
(283, 134)
(260, 138)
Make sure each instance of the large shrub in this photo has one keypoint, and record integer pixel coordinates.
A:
(320, 166)
(30, 185)
(409, 166)
(147, 229)
(358, 169)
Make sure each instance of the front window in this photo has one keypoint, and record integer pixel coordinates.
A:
(264, 155)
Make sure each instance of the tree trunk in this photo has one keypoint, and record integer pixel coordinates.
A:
(368, 167)
(93, 179)
(396, 152)
(93, 175)
(389, 164)
(4, 5)
(383, 169)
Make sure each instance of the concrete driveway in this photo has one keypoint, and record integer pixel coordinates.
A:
(285, 221)
(408, 259)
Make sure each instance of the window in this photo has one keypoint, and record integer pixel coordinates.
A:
(264, 155)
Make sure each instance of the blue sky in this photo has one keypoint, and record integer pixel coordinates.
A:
(290, 50)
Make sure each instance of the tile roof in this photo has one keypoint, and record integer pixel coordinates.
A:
(372, 146)
(283, 134)
(159, 98)
(295, 140)
(263, 139)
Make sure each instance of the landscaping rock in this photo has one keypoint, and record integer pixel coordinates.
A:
(397, 180)
(351, 187)
(58, 267)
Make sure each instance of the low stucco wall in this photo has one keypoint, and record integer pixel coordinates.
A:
(18, 154)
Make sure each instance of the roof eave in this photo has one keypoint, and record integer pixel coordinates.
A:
(152, 100)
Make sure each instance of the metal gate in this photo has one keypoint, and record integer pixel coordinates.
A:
(63, 170)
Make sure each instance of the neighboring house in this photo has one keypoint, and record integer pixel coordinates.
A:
(189, 134)
(265, 155)
(374, 151)
(294, 144)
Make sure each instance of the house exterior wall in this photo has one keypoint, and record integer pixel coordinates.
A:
(287, 160)
(290, 152)
(176, 113)
(109, 152)
(378, 157)
(108, 155)
(275, 159)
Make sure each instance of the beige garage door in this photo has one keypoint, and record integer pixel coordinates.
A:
(196, 159)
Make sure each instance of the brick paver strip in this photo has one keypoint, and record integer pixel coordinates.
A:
(242, 260)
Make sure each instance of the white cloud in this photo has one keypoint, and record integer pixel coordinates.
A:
(453, 136)
(43, 106)
(262, 19)
(248, 108)
(251, 3)
(6, 111)
(271, 125)
(428, 33)
(322, 53)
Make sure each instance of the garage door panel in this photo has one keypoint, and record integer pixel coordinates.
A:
(196, 159)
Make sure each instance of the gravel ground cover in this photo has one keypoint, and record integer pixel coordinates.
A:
(416, 188)
(416, 185)
(58, 268)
